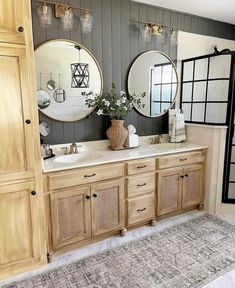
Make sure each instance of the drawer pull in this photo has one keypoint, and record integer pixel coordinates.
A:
(141, 167)
(182, 176)
(141, 185)
(183, 159)
(33, 193)
(87, 197)
(94, 195)
(91, 175)
(186, 175)
(141, 210)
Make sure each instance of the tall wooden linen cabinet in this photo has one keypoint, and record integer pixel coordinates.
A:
(22, 241)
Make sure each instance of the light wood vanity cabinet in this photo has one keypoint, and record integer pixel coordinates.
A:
(180, 187)
(85, 205)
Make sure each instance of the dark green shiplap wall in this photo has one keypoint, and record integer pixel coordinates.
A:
(115, 42)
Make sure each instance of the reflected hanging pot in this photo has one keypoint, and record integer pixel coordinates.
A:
(117, 134)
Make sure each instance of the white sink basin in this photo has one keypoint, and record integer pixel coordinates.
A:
(162, 146)
(78, 158)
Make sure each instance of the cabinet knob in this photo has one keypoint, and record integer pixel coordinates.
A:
(28, 121)
(88, 197)
(33, 193)
(21, 29)
(94, 195)
(186, 175)
(182, 176)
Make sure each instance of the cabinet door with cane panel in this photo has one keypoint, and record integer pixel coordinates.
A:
(107, 201)
(70, 216)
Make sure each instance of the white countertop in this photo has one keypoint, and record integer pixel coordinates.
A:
(102, 154)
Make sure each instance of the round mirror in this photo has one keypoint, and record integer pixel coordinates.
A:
(75, 72)
(153, 79)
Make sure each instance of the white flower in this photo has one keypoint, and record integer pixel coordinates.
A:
(125, 108)
(124, 99)
(103, 100)
(99, 112)
(107, 103)
(118, 102)
(122, 93)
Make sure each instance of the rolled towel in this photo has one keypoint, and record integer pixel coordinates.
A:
(172, 113)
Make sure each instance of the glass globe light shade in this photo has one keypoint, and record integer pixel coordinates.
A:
(146, 32)
(86, 22)
(67, 19)
(45, 15)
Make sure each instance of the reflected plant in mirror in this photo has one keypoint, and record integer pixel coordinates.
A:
(114, 105)
(154, 74)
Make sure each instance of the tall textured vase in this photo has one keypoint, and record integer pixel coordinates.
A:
(117, 134)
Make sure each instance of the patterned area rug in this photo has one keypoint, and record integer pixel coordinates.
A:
(188, 255)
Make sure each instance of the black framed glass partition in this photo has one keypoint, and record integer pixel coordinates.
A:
(207, 97)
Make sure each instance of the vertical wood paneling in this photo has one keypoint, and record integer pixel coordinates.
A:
(107, 43)
(115, 42)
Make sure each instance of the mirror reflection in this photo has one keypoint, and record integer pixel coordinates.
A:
(66, 71)
(153, 74)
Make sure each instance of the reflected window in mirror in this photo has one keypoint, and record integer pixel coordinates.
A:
(154, 75)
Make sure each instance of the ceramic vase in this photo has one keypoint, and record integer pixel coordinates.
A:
(117, 134)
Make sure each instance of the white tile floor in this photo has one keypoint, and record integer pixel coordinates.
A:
(225, 281)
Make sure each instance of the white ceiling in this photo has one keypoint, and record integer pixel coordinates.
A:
(222, 10)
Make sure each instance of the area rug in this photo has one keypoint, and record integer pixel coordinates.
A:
(187, 255)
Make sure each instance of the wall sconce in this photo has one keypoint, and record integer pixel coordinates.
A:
(65, 13)
(153, 29)
(45, 15)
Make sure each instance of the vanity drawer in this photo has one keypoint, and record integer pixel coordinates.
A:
(141, 208)
(140, 184)
(140, 166)
(180, 159)
(83, 176)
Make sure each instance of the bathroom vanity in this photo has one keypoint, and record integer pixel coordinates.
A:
(89, 198)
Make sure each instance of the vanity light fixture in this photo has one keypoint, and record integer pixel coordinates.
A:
(65, 12)
(153, 29)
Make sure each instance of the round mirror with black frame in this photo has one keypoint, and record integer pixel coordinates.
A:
(153, 78)
(67, 72)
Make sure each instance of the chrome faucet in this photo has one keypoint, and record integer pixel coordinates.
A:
(156, 140)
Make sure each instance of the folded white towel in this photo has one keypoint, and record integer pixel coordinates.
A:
(172, 113)
(177, 131)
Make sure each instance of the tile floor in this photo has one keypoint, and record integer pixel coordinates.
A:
(225, 281)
